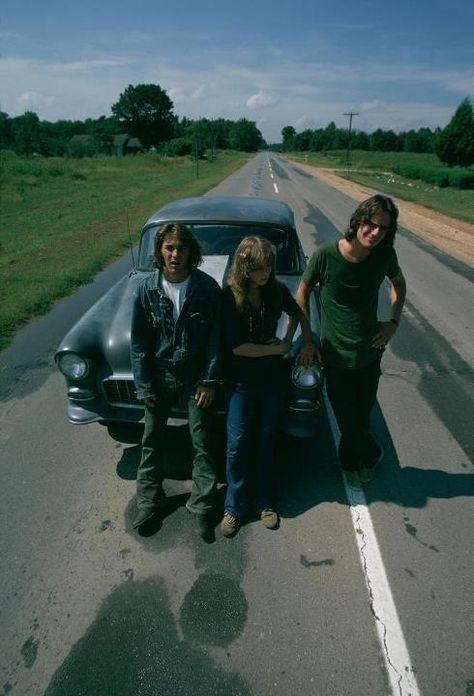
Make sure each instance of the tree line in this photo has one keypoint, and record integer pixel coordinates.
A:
(145, 112)
(142, 111)
(454, 144)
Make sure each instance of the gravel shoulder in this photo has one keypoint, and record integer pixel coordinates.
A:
(452, 236)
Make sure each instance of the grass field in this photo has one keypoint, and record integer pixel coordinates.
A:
(374, 169)
(63, 220)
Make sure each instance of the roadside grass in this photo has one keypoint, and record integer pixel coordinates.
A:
(374, 169)
(63, 220)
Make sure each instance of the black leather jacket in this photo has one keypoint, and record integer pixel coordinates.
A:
(192, 342)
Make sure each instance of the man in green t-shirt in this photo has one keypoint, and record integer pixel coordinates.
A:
(349, 273)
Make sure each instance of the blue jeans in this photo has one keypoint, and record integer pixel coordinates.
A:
(246, 408)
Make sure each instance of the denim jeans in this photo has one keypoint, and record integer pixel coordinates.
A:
(246, 408)
(150, 473)
(352, 393)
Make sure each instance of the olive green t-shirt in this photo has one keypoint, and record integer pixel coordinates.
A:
(349, 298)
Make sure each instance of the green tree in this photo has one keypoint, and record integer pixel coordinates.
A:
(27, 133)
(147, 113)
(455, 145)
(245, 136)
(386, 141)
(302, 140)
(6, 131)
(360, 141)
(288, 135)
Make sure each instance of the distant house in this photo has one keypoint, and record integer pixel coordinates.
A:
(81, 146)
(126, 145)
(88, 145)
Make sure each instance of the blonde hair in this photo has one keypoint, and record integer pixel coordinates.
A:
(252, 253)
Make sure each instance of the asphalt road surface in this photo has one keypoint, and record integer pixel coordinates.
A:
(360, 594)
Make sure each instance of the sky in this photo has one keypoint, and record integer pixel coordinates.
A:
(397, 65)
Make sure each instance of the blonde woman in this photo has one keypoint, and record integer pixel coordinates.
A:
(253, 302)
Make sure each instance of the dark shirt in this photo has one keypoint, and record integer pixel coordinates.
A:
(193, 341)
(254, 325)
(349, 295)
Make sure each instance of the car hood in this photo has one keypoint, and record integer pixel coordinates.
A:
(103, 332)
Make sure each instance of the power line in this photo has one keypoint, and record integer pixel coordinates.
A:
(350, 114)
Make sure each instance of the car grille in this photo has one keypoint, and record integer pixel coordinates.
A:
(120, 391)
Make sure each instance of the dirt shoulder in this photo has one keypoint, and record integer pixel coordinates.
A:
(452, 236)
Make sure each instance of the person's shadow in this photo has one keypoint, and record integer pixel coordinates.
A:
(136, 646)
(308, 474)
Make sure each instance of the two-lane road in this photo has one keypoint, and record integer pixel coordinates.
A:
(366, 595)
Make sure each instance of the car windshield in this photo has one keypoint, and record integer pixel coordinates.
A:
(223, 240)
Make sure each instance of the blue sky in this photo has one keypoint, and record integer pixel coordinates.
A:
(400, 65)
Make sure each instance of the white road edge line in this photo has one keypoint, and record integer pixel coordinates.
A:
(397, 660)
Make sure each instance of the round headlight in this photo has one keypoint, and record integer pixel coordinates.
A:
(307, 377)
(73, 366)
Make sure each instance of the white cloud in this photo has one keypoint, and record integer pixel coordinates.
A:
(262, 100)
(34, 101)
(176, 95)
(371, 105)
(87, 65)
(199, 93)
(284, 88)
(304, 122)
(6, 34)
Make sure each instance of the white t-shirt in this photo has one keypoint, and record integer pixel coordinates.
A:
(176, 293)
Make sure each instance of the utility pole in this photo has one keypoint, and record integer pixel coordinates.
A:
(350, 114)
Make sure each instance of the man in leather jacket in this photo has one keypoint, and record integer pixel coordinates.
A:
(175, 347)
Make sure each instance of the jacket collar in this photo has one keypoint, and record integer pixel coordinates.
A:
(193, 281)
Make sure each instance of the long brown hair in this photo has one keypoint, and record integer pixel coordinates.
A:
(185, 236)
(252, 253)
(364, 212)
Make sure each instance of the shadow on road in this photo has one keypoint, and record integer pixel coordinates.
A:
(135, 645)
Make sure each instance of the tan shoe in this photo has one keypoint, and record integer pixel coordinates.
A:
(229, 525)
(269, 518)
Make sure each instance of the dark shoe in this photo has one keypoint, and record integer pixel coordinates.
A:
(353, 479)
(368, 472)
(229, 525)
(143, 516)
(269, 518)
(147, 514)
(205, 526)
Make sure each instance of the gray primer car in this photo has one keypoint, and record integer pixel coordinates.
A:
(94, 356)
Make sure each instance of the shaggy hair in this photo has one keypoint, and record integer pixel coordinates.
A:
(365, 212)
(185, 237)
(251, 254)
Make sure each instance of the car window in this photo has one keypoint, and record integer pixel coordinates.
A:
(224, 239)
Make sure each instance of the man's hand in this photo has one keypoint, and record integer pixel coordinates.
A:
(308, 354)
(383, 336)
(150, 401)
(204, 396)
